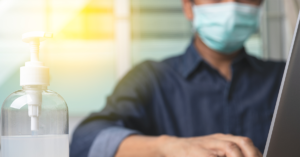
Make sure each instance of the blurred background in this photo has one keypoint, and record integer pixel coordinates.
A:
(97, 41)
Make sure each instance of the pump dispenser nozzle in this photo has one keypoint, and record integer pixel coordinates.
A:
(34, 74)
(34, 39)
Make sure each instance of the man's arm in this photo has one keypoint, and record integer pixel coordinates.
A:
(100, 134)
(117, 129)
(217, 145)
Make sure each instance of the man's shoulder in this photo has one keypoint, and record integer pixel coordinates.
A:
(147, 73)
(159, 66)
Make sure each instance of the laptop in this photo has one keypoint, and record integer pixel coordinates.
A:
(284, 135)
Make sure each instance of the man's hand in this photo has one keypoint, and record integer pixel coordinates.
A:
(217, 145)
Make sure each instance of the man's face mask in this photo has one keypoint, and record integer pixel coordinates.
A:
(224, 27)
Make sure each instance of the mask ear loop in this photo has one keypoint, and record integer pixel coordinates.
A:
(261, 14)
(194, 29)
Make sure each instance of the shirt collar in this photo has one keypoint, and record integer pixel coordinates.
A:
(192, 59)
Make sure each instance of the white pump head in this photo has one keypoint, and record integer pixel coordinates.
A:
(34, 73)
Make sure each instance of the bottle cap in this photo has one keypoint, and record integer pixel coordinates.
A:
(34, 72)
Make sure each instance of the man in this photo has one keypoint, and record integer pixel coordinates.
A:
(212, 101)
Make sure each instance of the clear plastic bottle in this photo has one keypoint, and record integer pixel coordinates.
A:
(35, 120)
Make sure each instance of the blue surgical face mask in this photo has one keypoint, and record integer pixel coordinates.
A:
(224, 27)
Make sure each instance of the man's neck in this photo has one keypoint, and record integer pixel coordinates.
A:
(220, 62)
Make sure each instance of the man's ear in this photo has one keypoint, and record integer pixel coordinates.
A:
(187, 7)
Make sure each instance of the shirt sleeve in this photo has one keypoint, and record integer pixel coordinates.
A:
(108, 141)
(124, 114)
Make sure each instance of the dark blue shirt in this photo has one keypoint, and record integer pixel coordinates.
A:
(184, 96)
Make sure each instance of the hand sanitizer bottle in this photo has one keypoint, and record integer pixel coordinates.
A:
(34, 120)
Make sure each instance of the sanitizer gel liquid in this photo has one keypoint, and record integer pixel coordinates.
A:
(35, 146)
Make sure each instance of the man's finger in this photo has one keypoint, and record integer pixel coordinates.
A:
(225, 148)
(245, 143)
